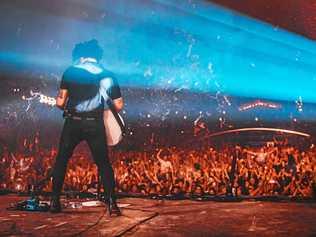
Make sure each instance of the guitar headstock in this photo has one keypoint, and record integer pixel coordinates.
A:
(43, 99)
(47, 100)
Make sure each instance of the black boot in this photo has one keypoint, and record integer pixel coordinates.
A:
(113, 208)
(55, 206)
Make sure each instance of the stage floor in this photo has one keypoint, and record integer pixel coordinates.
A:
(145, 217)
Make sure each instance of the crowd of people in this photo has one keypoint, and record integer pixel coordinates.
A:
(265, 171)
(270, 170)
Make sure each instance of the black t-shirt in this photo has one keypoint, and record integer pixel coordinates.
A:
(86, 92)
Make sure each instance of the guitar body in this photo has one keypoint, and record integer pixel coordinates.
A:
(113, 130)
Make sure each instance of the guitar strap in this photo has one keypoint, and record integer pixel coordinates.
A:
(116, 116)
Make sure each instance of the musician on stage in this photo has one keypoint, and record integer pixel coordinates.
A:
(85, 89)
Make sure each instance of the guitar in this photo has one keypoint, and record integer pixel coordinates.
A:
(113, 130)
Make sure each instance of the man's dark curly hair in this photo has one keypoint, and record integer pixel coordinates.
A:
(87, 49)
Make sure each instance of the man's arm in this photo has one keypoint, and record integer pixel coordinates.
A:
(158, 155)
(109, 87)
(61, 98)
(250, 152)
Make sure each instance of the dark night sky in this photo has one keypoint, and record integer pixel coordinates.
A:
(298, 16)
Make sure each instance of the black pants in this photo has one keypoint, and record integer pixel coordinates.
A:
(93, 132)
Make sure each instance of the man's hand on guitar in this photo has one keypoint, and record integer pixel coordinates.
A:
(118, 104)
(62, 98)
